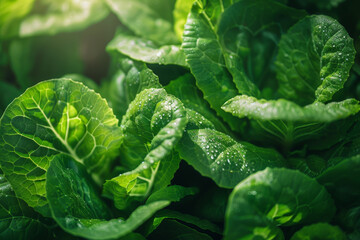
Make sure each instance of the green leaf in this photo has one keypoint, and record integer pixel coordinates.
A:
(260, 109)
(248, 32)
(17, 220)
(83, 79)
(189, 219)
(319, 231)
(224, 160)
(205, 58)
(149, 19)
(171, 229)
(11, 11)
(78, 209)
(130, 78)
(342, 182)
(153, 124)
(181, 11)
(314, 60)
(63, 16)
(172, 193)
(275, 197)
(53, 117)
(142, 49)
(185, 89)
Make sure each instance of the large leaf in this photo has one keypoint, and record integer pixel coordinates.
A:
(319, 231)
(17, 220)
(78, 209)
(205, 58)
(153, 124)
(314, 60)
(142, 49)
(63, 16)
(53, 117)
(249, 31)
(130, 78)
(185, 89)
(281, 109)
(274, 197)
(227, 162)
(149, 19)
(342, 182)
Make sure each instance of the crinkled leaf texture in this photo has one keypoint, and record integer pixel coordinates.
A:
(224, 160)
(17, 219)
(53, 117)
(274, 197)
(77, 207)
(130, 78)
(319, 231)
(142, 49)
(281, 109)
(314, 60)
(248, 33)
(153, 124)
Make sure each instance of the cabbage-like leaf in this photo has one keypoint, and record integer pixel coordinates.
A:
(198, 110)
(342, 182)
(248, 32)
(181, 11)
(319, 231)
(130, 78)
(17, 219)
(53, 117)
(145, 50)
(275, 197)
(76, 206)
(227, 162)
(260, 109)
(149, 19)
(172, 193)
(153, 124)
(314, 60)
(63, 16)
(204, 56)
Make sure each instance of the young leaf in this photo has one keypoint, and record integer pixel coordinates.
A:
(224, 160)
(145, 50)
(17, 220)
(275, 197)
(281, 109)
(185, 89)
(149, 19)
(314, 60)
(204, 56)
(130, 79)
(248, 32)
(53, 117)
(78, 209)
(319, 231)
(153, 124)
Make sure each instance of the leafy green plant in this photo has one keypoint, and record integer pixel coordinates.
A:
(203, 119)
